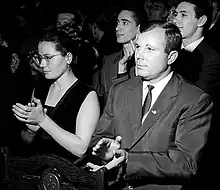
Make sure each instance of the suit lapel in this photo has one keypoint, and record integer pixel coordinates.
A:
(163, 102)
(135, 102)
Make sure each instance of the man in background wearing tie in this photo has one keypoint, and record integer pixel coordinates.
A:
(156, 124)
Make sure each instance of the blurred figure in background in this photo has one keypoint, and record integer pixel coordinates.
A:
(156, 9)
(213, 33)
(72, 22)
(6, 93)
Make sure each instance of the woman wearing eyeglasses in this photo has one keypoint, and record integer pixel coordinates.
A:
(63, 111)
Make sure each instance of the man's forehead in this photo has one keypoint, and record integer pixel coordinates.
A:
(125, 15)
(152, 35)
(185, 7)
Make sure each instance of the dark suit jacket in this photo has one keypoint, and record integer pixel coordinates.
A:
(212, 36)
(201, 67)
(173, 134)
(110, 69)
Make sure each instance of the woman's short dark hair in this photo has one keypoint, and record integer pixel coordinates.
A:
(172, 34)
(63, 41)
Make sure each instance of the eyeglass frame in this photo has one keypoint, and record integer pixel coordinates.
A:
(47, 58)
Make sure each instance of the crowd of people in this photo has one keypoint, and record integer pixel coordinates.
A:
(131, 87)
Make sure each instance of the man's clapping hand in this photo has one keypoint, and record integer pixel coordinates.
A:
(105, 147)
(119, 157)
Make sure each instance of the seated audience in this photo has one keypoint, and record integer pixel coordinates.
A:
(154, 126)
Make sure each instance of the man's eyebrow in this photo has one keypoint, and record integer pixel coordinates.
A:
(125, 20)
(182, 11)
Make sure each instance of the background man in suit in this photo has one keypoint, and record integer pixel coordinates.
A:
(116, 66)
(200, 64)
(162, 146)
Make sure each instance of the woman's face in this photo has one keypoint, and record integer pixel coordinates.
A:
(127, 28)
(53, 64)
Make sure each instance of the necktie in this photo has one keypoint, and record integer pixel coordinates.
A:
(147, 101)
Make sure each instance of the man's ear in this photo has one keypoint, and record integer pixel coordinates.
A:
(202, 20)
(69, 58)
(172, 57)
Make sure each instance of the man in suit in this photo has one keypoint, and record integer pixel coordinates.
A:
(158, 148)
(116, 66)
(200, 64)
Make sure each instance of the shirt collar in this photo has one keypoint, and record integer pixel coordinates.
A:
(160, 84)
(193, 45)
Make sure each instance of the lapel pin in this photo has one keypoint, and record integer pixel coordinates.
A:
(154, 112)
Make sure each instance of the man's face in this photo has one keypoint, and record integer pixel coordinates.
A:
(151, 61)
(186, 20)
(155, 10)
(126, 29)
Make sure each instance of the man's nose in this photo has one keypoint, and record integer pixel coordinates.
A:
(176, 19)
(138, 54)
(118, 27)
(43, 63)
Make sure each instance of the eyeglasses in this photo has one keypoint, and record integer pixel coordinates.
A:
(47, 58)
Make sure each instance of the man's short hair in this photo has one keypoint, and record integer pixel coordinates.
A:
(172, 34)
(202, 7)
(138, 13)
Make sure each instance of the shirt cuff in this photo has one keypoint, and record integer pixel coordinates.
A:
(122, 75)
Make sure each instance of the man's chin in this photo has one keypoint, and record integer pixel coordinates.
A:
(121, 41)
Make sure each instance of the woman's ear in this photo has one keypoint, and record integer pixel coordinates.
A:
(69, 58)
(172, 57)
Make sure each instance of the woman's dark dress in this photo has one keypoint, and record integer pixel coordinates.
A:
(46, 153)
(64, 114)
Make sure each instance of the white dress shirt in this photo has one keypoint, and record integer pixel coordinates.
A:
(158, 87)
(193, 45)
